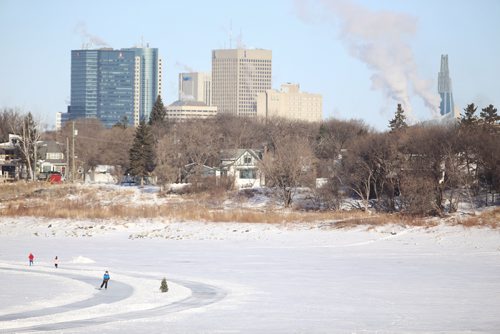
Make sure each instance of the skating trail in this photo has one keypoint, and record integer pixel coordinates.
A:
(200, 295)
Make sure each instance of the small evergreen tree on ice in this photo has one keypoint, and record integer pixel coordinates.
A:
(164, 285)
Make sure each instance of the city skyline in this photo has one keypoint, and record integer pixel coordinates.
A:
(327, 47)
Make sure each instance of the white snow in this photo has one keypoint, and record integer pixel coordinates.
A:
(82, 260)
(249, 278)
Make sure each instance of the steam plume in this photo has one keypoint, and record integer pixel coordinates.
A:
(380, 40)
(184, 67)
(81, 29)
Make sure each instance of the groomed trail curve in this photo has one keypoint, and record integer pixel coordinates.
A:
(200, 295)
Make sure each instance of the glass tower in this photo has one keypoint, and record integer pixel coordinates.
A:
(83, 83)
(114, 85)
(149, 79)
(444, 87)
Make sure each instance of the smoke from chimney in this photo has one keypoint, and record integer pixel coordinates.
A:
(93, 40)
(184, 67)
(380, 40)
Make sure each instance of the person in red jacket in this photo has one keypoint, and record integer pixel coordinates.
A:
(31, 257)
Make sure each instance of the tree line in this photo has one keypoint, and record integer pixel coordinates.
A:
(421, 169)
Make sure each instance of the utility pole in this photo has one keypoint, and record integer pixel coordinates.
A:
(66, 172)
(35, 160)
(73, 152)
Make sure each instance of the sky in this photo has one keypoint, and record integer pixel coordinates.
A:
(363, 56)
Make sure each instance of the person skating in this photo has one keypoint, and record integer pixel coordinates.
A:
(31, 257)
(56, 262)
(105, 280)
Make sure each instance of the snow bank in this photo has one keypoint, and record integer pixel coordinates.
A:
(82, 260)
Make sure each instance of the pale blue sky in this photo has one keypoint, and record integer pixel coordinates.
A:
(328, 47)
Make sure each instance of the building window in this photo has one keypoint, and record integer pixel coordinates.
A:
(54, 156)
(247, 174)
(247, 160)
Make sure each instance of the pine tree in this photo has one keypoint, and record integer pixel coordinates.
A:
(489, 115)
(468, 118)
(399, 120)
(141, 154)
(158, 113)
(164, 285)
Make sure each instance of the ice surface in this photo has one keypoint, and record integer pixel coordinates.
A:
(249, 278)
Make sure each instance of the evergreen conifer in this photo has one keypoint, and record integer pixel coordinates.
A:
(158, 113)
(399, 120)
(164, 285)
(142, 154)
(469, 118)
(489, 115)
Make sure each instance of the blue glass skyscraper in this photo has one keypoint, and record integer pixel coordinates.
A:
(444, 88)
(114, 85)
(149, 79)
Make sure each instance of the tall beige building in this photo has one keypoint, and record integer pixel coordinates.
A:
(290, 103)
(238, 75)
(195, 86)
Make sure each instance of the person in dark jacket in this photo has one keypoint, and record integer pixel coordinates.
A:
(105, 280)
(31, 257)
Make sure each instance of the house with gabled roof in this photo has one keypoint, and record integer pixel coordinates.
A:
(51, 158)
(243, 166)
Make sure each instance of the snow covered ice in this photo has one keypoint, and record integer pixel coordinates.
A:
(247, 278)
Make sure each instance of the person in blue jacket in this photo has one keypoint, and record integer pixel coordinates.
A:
(105, 280)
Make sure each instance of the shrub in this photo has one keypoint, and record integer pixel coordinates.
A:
(164, 285)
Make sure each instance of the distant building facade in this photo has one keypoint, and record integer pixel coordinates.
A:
(58, 121)
(184, 110)
(238, 76)
(444, 88)
(147, 81)
(195, 86)
(114, 85)
(290, 103)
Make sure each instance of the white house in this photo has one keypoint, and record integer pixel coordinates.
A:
(243, 166)
(101, 174)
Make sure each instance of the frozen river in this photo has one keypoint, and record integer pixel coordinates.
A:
(444, 279)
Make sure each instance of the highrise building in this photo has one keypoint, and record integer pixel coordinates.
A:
(114, 85)
(290, 103)
(444, 88)
(195, 86)
(238, 75)
(148, 83)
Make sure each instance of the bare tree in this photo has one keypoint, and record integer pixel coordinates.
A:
(30, 135)
(11, 121)
(427, 149)
(358, 171)
(97, 145)
(334, 137)
(288, 164)
(170, 160)
(196, 143)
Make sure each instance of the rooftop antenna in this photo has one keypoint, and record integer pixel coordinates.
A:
(239, 41)
(230, 33)
(142, 41)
